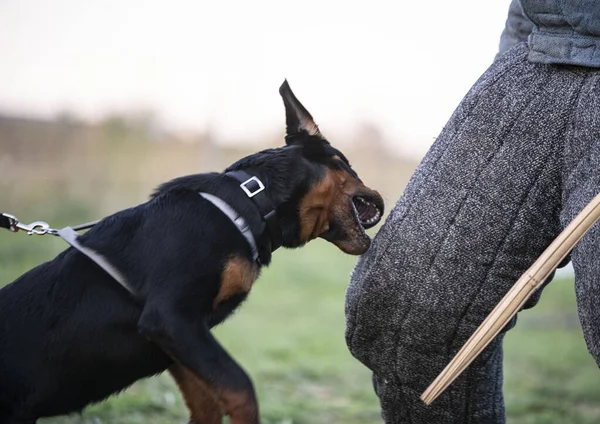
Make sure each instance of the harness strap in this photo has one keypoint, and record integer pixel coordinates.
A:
(251, 185)
(255, 190)
(237, 220)
(69, 235)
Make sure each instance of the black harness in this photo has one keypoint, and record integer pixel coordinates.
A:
(264, 240)
(269, 239)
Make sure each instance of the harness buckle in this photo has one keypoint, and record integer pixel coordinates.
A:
(252, 191)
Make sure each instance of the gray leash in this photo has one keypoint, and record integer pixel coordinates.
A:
(68, 234)
(40, 228)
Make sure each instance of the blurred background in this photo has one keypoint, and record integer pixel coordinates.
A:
(100, 101)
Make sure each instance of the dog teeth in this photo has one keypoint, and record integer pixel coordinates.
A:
(375, 217)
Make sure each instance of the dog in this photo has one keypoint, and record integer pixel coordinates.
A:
(70, 335)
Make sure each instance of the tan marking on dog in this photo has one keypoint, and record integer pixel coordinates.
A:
(331, 195)
(315, 208)
(237, 277)
(241, 407)
(203, 403)
(208, 404)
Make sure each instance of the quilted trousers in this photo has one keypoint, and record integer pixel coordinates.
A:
(518, 159)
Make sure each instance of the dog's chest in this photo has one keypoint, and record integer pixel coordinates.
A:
(237, 278)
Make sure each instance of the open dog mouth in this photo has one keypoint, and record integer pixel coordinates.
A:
(369, 210)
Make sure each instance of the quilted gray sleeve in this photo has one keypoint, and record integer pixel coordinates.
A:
(480, 208)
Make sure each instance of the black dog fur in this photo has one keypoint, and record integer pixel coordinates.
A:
(70, 335)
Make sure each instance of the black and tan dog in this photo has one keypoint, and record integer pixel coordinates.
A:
(70, 335)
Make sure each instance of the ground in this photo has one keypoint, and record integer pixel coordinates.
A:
(289, 335)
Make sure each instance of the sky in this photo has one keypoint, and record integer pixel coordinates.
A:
(403, 66)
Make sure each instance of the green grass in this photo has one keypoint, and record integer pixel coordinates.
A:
(289, 336)
(549, 376)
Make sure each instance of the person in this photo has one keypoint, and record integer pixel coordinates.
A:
(518, 159)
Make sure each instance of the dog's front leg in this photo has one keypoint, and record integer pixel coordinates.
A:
(193, 346)
(201, 401)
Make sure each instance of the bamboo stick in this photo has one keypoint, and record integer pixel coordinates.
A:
(516, 297)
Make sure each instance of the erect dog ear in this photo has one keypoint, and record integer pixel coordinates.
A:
(297, 118)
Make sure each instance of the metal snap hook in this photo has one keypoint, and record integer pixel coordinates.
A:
(38, 227)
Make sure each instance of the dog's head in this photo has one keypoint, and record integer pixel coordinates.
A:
(334, 203)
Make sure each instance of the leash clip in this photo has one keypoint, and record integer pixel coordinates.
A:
(38, 227)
